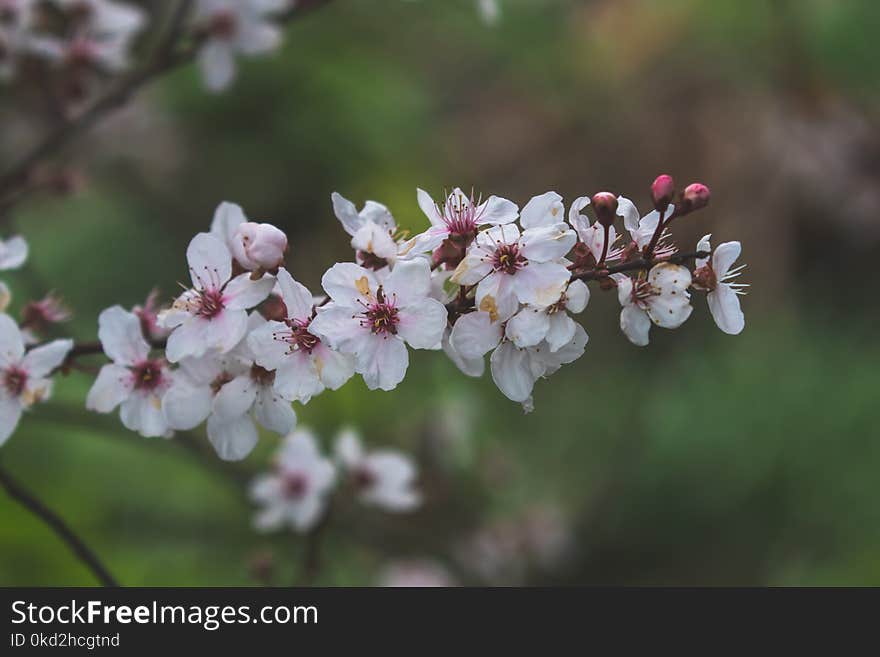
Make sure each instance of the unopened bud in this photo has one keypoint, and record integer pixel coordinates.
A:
(259, 246)
(605, 204)
(662, 191)
(696, 196)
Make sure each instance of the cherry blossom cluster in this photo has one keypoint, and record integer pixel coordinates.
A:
(297, 491)
(246, 340)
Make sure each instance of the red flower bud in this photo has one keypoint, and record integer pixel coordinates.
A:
(696, 196)
(662, 191)
(605, 204)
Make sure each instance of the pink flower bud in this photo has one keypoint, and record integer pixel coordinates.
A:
(259, 246)
(696, 196)
(662, 191)
(605, 204)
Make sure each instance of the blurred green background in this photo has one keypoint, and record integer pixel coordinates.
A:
(702, 459)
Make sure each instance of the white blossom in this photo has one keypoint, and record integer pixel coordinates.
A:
(714, 275)
(661, 299)
(384, 478)
(510, 268)
(532, 325)
(295, 493)
(374, 321)
(133, 381)
(372, 231)
(303, 364)
(234, 27)
(212, 315)
(458, 219)
(24, 376)
(231, 392)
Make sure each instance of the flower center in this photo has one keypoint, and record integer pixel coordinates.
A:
(222, 379)
(210, 303)
(704, 278)
(299, 337)
(460, 215)
(15, 380)
(381, 316)
(148, 375)
(641, 292)
(294, 485)
(363, 478)
(508, 259)
(223, 25)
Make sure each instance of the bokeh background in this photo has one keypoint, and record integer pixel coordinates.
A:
(702, 459)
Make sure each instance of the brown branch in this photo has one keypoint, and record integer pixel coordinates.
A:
(169, 56)
(636, 265)
(82, 551)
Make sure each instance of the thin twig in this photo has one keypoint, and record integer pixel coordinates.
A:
(82, 551)
(166, 59)
(635, 265)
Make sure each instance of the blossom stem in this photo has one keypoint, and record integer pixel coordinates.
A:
(170, 56)
(33, 504)
(637, 264)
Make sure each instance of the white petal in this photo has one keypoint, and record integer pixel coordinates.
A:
(473, 268)
(217, 64)
(142, 412)
(186, 406)
(468, 366)
(349, 284)
(577, 295)
(422, 323)
(408, 283)
(511, 372)
(242, 292)
(725, 255)
(13, 253)
(541, 284)
(210, 263)
(496, 211)
(426, 203)
(347, 213)
(547, 243)
(273, 412)
(222, 332)
(348, 447)
(376, 240)
(635, 325)
(121, 336)
(561, 331)
(544, 210)
(233, 438)
(578, 221)
(333, 367)
(267, 345)
(338, 327)
(227, 218)
(392, 489)
(528, 327)
(111, 388)
(11, 342)
(235, 398)
(383, 362)
(725, 309)
(624, 289)
(704, 245)
(10, 414)
(496, 295)
(629, 212)
(41, 361)
(296, 379)
(475, 334)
